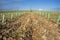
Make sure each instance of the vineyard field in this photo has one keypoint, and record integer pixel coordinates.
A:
(29, 25)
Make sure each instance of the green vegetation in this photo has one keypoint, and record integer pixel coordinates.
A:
(3, 19)
(12, 15)
(50, 15)
(58, 19)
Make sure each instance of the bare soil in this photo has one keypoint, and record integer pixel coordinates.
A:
(32, 27)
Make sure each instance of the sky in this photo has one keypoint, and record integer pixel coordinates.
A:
(29, 4)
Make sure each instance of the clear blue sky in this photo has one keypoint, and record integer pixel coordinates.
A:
(27, 4)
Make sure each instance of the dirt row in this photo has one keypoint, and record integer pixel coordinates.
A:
(34, 27)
